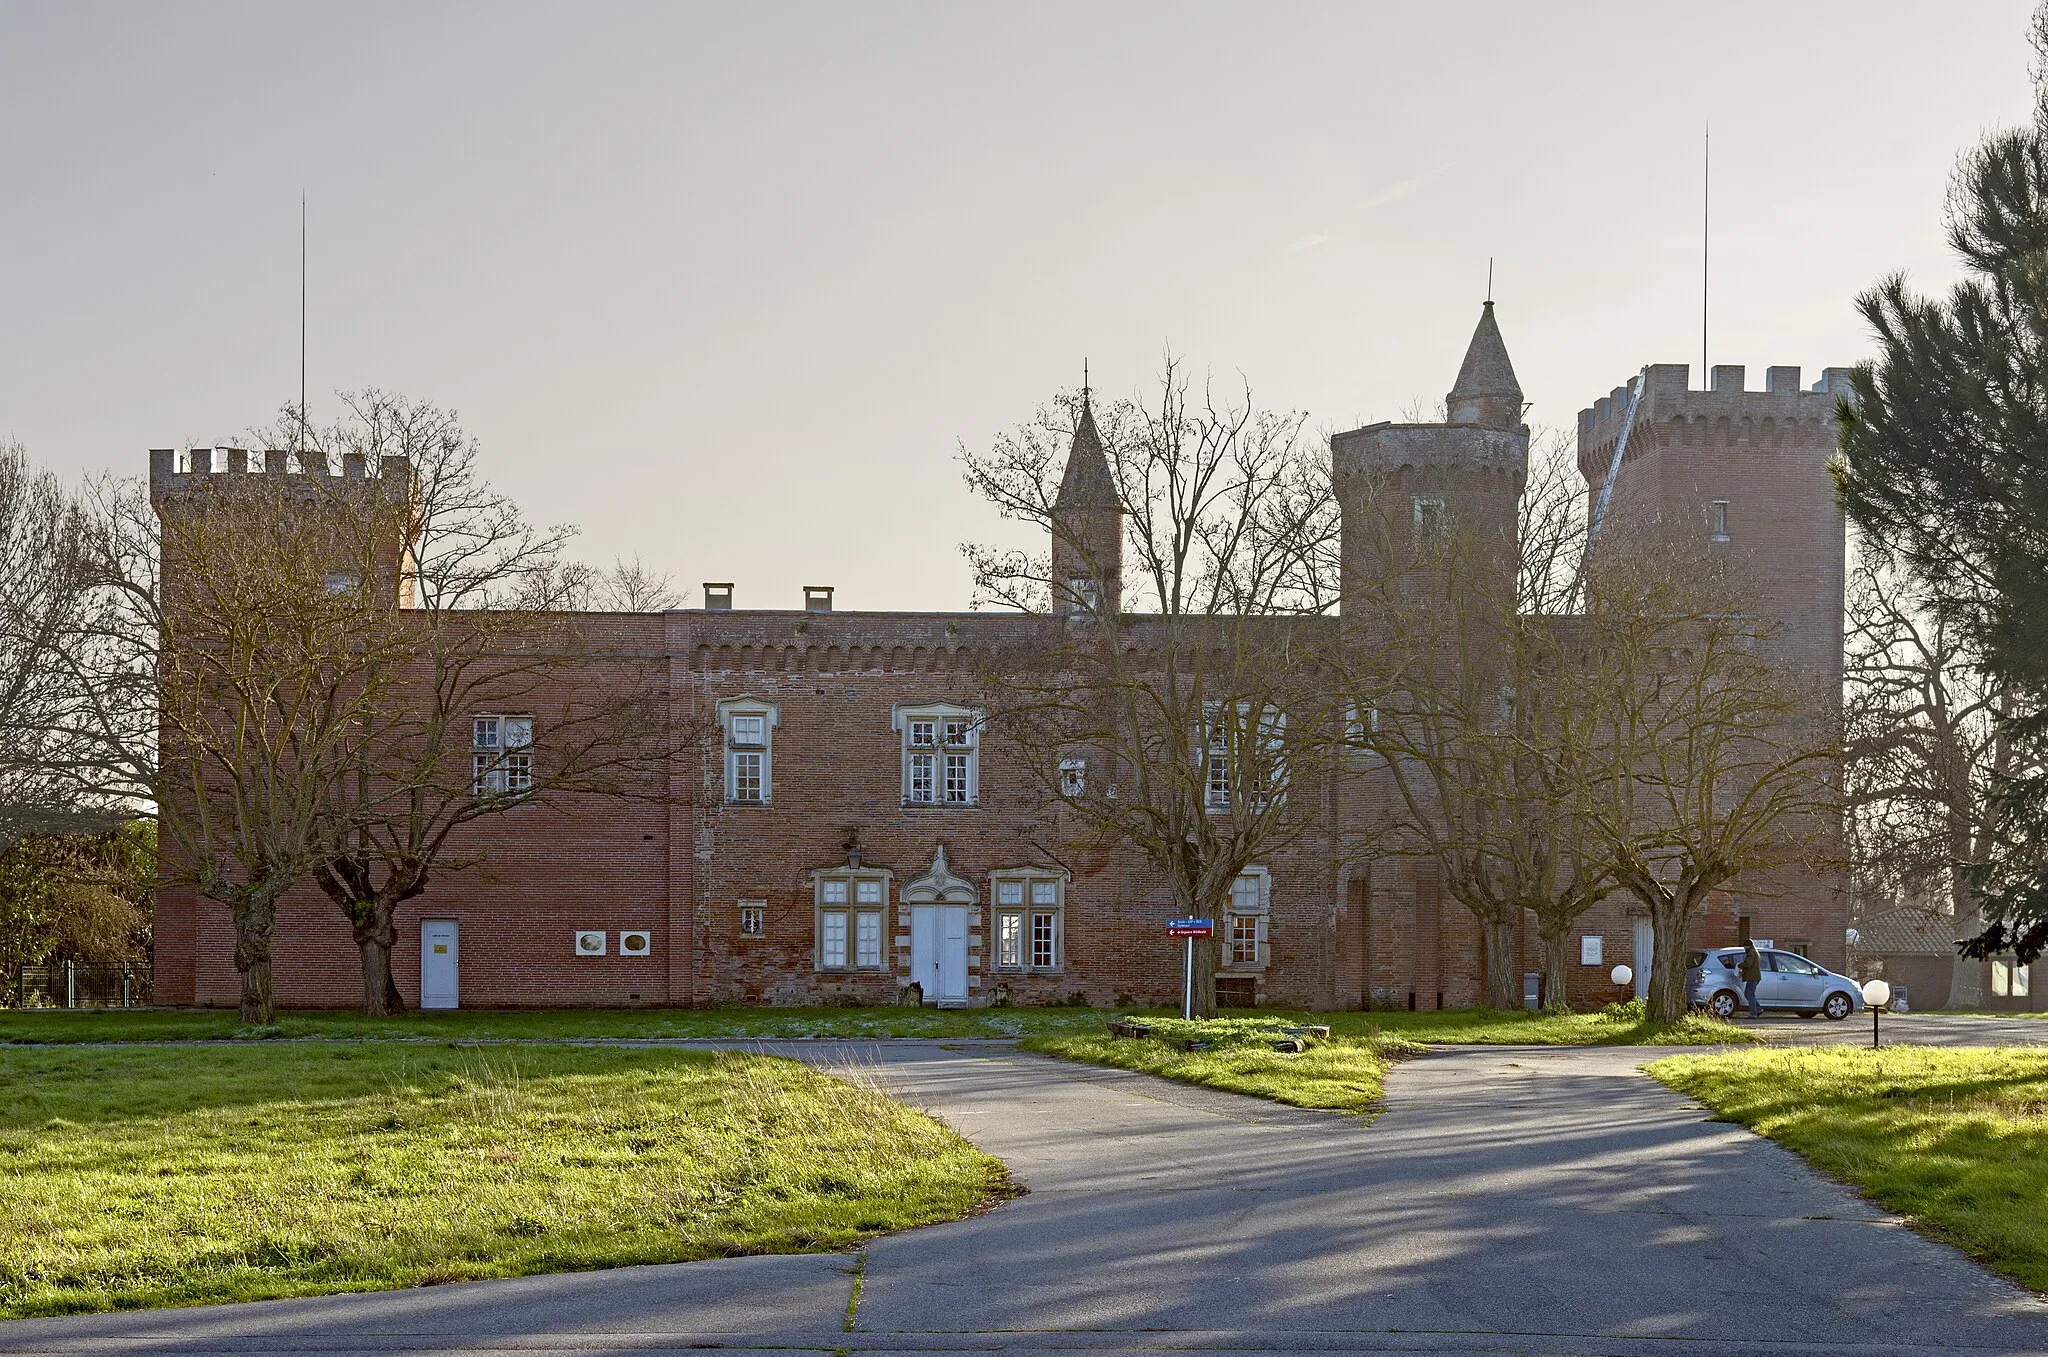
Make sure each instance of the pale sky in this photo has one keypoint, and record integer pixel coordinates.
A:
(726, 285)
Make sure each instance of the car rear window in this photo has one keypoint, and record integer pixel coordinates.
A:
(1694, 959)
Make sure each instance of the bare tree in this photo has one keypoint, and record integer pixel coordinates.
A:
(627, 587)
(230, 658)
(1716, 764)
(1461, 671)
(479, 709)
(1927, 751)
(49, 773)
(1190, 731)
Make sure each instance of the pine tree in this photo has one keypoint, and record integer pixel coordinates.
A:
(1946, 463)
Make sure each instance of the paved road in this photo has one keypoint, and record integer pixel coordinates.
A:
(1510, 1200)
(1921, 1029)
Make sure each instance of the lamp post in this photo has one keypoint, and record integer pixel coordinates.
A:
(1621, 976)
(1877, 994)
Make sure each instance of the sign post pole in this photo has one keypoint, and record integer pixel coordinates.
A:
(1189, 929)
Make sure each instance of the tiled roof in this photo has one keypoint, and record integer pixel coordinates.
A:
(1908, 930)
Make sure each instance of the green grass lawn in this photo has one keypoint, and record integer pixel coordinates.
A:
(1954, 1139)
(1343, 1074)
(1456, 1026)
(1486, 1027)
(142, 1176)
(36, 1026)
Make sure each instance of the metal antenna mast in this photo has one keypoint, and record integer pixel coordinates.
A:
(1706, 187)
(302, 323)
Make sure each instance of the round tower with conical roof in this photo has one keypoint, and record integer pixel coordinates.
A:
(1397, 483)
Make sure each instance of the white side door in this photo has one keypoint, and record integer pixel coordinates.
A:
(1646, 952)
(439, 957)
(924, 949)
(953, 954)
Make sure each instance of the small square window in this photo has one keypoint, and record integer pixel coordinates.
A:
(835, 892)
(1073, 777)
(753, 920)
(748, 730)
(1009, 892)
(924, 733)
(1045, 892)
(867, 892)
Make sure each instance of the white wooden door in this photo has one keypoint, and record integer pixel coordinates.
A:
(1646, 949)
(938, 952)
(439, 977)
(953, 954)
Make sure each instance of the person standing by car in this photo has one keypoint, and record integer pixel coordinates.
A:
(1752, 976)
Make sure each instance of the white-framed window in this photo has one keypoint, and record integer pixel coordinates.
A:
(753, 918)
(1030, 919)
(1246, 927)
(850, 904)
(1226, 743)
(1073, 777)
(941, 755)
(749, 726)
(501, 755)
(2009, 979)
(1429, 515)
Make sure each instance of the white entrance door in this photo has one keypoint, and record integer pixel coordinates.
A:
(438, 957)
(1646, 948)
(938, 952)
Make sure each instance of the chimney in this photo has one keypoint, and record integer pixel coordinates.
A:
(718, 597)
(817, 598)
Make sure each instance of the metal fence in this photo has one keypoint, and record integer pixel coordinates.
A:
(70, 984)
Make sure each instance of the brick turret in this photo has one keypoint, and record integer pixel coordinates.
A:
(1397, 481)
(1088, 525)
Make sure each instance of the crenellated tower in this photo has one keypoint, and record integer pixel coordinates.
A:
(1087, 526)
(1745, 473)
(1398, 482)
(349, 528)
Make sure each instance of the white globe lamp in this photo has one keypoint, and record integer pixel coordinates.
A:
(1621, 975)
(1876, 994)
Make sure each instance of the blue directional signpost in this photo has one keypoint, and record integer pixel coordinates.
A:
(1189, 929)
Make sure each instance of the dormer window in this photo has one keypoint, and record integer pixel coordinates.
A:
(941, 755)
(749, 734)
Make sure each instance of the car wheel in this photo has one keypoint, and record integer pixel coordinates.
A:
(1722, 1005)
(1837, 1007)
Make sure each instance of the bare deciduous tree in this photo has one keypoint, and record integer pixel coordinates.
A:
(481, 634)
(1927, 751)
(1716, 764)
(1461, 671)
(1188, 728)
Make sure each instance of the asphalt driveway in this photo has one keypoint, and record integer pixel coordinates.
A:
(1510, 1200)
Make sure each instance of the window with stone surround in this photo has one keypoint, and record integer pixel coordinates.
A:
(1247, 923)
(753, 918)
(850, 904)
(749, 726)
(1030, 919)
(941, 755)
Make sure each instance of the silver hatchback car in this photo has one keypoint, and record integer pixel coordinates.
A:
(1790, 984)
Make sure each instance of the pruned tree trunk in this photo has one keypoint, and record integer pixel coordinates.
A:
(253, 924)
(1665, 1001)
(1497, 936)
(1557, 963)
(381, 998)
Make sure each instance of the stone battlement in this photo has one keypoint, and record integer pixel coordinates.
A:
(1727, 414)
(202, 466)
